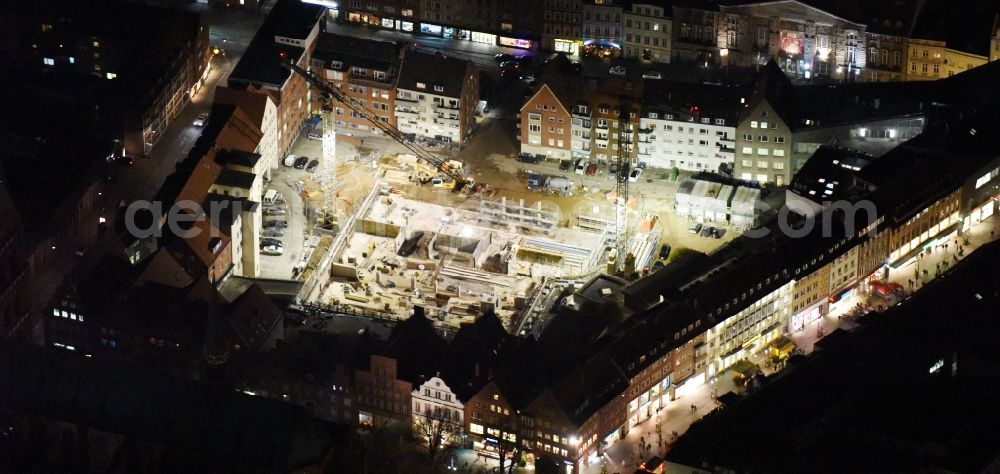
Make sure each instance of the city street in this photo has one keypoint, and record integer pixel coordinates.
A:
(479, 53)
(142, 180)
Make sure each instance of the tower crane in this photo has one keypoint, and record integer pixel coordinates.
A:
(624, 160)
(331, 93)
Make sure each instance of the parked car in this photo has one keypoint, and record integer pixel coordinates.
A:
(201, 119)
(565, 165)
(706, 231)
(591, 169)
(695, 228)
(655, 75)
(502, 58)
(658, 265)
(311, 167)
(274, 211)
(276, 224)
(272, 232)
(300, 162)
(581, 166)
(272, 250)
(718, 233)
(664, 251)
(633, 176)
(510, 66)
(289, 160)
(617, 71)
(613, 169)
(527, 158)
(315, 135)
(268, 241)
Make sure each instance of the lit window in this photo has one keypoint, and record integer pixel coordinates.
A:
(49, 61)
(72, 60)
(111, 75)
(421, 85)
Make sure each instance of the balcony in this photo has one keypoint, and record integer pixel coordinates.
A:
(406, 113)
(444, 107)
(438, 118)
(411, 99)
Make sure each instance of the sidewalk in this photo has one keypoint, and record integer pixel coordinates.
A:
(622, 457)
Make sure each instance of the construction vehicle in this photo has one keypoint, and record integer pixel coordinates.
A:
(330, 93)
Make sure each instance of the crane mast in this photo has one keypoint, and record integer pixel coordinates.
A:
(621, 185)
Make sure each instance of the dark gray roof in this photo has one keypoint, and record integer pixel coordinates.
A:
(234, 178)
(359, 52)
(685, 99)
(260, 64)
(240, 158)
(434, 70)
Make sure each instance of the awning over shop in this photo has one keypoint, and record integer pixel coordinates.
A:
(744, 368)
(781, 347)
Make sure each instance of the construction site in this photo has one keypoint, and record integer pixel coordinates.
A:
(426, 234)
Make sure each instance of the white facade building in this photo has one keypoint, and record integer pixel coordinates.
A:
(436, 96)
(434, 401)
(670, 141)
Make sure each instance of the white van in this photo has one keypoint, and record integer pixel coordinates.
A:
(270, 197)
(581, 166)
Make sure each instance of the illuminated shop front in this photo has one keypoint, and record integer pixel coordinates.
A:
(485, 38)
(928, 238)
(457, 33)
(431, 29)
(602, 48)
(355, 17)
(515, 42)
(567, 46)
(987, 192)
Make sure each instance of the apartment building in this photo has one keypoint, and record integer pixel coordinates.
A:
(435, 403)
(262, 109)
(693, 32)
(366, 71)
(648, 32)
(602, 27)
(562, 20)
(380, 394)
(930, 60)
(886, 60)
(779, 129)
(151, 61)
(291, 28)
(546, 126)
(436, 96)
(691, 127)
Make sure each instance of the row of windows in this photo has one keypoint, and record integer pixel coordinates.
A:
(67, 314)
(763, 138)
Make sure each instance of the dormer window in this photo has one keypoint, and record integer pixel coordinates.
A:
(438, 88)
(421, 85)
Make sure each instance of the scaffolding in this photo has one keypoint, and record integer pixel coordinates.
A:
(528, 218)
